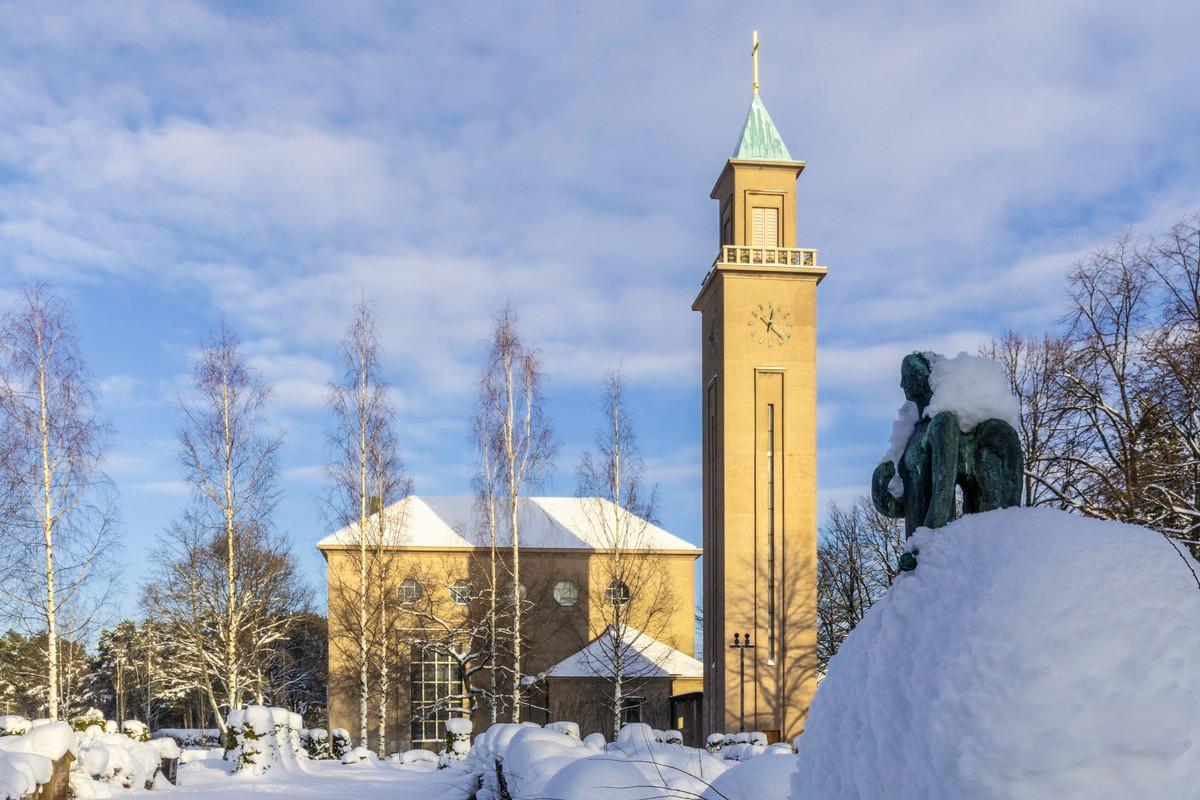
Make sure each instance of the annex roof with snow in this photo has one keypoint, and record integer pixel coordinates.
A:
(642, 656)
(554, 523)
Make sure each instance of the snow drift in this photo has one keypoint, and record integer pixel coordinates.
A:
(1031, 654)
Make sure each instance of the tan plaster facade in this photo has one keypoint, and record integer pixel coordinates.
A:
(553, 631)
(759, 316)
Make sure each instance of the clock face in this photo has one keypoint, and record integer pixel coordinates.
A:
(770, 325)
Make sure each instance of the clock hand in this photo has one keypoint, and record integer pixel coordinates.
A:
(780, 333)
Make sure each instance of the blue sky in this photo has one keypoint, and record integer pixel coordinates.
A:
(168, 164)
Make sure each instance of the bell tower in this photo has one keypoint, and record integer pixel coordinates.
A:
(758, 306)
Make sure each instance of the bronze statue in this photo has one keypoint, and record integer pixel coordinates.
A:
(987, 463)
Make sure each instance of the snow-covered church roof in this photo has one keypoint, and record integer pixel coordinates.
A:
(642, 656)
(545, 522)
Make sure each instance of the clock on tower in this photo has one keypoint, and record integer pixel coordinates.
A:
(758, 382)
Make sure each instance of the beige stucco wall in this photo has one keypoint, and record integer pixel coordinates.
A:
(552, 632)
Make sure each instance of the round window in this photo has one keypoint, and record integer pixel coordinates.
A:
(411, 590)
(617, 593)
(566, 593)
(461, 592)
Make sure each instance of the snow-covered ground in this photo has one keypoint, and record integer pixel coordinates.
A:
(210, 779)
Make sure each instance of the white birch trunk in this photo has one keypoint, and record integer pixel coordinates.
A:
(233, 689)
(48, 537)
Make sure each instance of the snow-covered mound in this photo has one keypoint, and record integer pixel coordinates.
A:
(1031, 654)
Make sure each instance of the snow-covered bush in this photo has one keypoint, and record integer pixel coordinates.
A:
(316, 742)
(339, 742)
(733, 746)
(361, 755)
(761, 778)
(13, 725)
(265, 738)
(635, 766)
(511, 761)
(458, 742)
(93, 716)
(135, 730)
(115, 759)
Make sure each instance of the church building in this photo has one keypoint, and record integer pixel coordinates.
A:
(587, 606)
(758, 306)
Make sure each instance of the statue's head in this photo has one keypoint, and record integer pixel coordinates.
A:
(914, 380)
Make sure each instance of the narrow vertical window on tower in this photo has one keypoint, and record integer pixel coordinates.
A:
(771, 533)
(764, 227)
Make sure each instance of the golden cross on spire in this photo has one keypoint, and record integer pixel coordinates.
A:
(754, 56)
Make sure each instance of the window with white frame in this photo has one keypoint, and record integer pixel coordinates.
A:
(435, 693)
(566, 593)
(617, 593)
(410, 590)
(461, 592)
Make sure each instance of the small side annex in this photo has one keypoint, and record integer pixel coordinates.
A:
(655, 679)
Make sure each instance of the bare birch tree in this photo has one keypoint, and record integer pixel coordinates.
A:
(186, 598)
(510, 401)
(57, 524)
(487, 486)
(1173, 356)
(1111, 408)
(633, 601)
(368, 481)
(231, 463)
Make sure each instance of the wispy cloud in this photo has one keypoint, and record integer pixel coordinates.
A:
(275, 166)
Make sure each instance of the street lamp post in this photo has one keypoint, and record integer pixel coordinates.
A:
(742, 645)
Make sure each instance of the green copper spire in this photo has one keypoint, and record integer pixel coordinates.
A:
(760, 140)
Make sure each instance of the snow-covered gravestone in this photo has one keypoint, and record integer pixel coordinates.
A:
(957, 428)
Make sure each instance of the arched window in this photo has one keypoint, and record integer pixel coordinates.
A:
(566, 593)
(617, 593)
(411, 590)
(462, 592)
